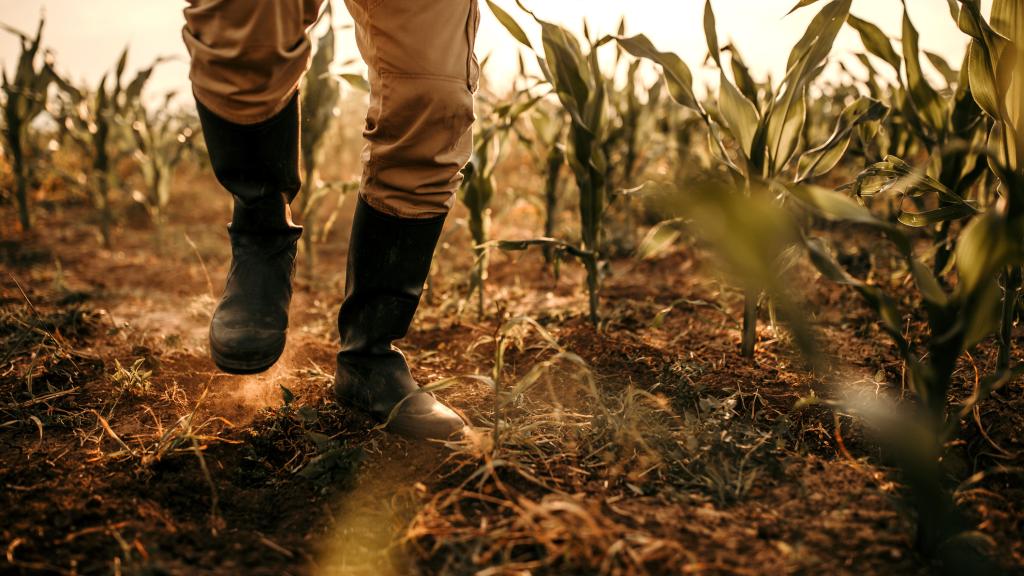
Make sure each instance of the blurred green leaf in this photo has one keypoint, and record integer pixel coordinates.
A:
(876, 42)
(510, 24)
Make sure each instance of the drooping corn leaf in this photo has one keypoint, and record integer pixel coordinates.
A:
(884, 306)
(929, 217)
(741, 74)
(876, 42)
(940, 64)
(678, 77)
(824, 157)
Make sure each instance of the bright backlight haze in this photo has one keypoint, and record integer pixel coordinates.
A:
(88, 36)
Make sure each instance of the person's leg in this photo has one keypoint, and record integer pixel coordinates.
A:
(247, 61)
(422, 75)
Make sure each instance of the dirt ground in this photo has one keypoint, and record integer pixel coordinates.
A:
(648, 446)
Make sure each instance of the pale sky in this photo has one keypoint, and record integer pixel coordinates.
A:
(87, 35)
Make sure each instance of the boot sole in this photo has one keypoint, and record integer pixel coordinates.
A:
(240, 367)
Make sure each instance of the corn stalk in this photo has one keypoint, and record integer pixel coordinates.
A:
(161, 140)
(24, 98)
(553, 163)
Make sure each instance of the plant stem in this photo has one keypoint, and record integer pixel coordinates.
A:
(556, 157)
(22, 194)
(306, 209)
(749, 323)
(1011, 282)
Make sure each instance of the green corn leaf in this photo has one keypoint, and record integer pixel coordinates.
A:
(923, 97)
(568, 69)
(926, 282)
(981, 252)
(1008, 21)
(786, 118)
(711, 34)
(659, 238)
(11, 29)
(966, 112)
(741, 74)
(677, 74)
(833, 205)
(943, 67)
(510, 24)
(837, 207)
(876, 42)
(134, 89)
(982, 315)
(784, 128)
(824, 157)
(740, 115)
(357, 81)
(930, 217)
(122, 61)
(873, 87)
(954, 9)
(801, 4)
(816, 43)
(884, 306)
(983, 79)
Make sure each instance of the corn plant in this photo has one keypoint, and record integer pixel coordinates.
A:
(764, 125)
(24, 98)
(162, 139)
(951, 129)
(478, 184)
(959, 160)
(320, 92)
(576, 78)
(750, 234)
(957, 320)
(99, 122)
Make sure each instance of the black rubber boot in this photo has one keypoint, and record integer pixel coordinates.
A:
(388, 262)
(258, 164)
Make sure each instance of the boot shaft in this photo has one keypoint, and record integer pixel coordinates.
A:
(257, 163)
(388, 262)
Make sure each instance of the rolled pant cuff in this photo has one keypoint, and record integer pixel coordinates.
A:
(401, 212)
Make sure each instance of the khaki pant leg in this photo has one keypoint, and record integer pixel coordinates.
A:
(422, 75)
(248, 55)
